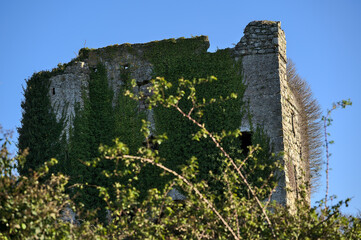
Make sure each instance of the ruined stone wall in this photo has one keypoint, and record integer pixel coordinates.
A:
(66, 89)
(272, 105)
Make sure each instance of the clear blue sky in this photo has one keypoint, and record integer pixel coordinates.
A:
(323, 39)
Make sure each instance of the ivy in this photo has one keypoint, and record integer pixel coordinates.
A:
(176, 59)
(128, 116)
(97, 123)
(40, 132)
(102, 117)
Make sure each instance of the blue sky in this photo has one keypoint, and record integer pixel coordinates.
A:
(323, 39)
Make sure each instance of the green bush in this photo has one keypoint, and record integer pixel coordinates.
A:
(32, 208)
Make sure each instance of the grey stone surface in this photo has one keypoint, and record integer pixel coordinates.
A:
(176, 195)
(272, 103)
(66, 90)
(68, 215)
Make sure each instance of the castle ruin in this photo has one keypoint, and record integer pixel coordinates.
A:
(272, 105)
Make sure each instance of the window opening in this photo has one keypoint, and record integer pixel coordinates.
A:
(293, 124)
(53, 91)
(246, 140)
(151, 143)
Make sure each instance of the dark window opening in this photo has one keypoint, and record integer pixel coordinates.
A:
(145, 82)
(151, 143)
(246, 140)
(293, 124)
(53, 91)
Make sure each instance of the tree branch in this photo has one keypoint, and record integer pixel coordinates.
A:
(232, 162)
(204, 199)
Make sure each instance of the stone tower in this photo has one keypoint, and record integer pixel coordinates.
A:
(272, 104)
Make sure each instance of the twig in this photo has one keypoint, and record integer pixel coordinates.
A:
(245, 160)
(327, 155)
(327, 122)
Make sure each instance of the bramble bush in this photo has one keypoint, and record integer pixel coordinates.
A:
(32, 208)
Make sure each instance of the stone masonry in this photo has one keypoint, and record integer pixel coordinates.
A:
(271, 102)
(272, 105)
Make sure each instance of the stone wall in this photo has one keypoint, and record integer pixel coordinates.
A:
(271, 102)
(66, 89)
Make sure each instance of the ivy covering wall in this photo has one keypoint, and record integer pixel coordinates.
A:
(40, 133)
(189, 59)
(98, 120)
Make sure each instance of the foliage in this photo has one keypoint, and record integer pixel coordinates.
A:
(93, 124)
(32, 208)
(40, 132)
(173, 58)
(98, 122)
(200, 216)
(187, 58)
(29, 208)
(128, 117)
(195, 149)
